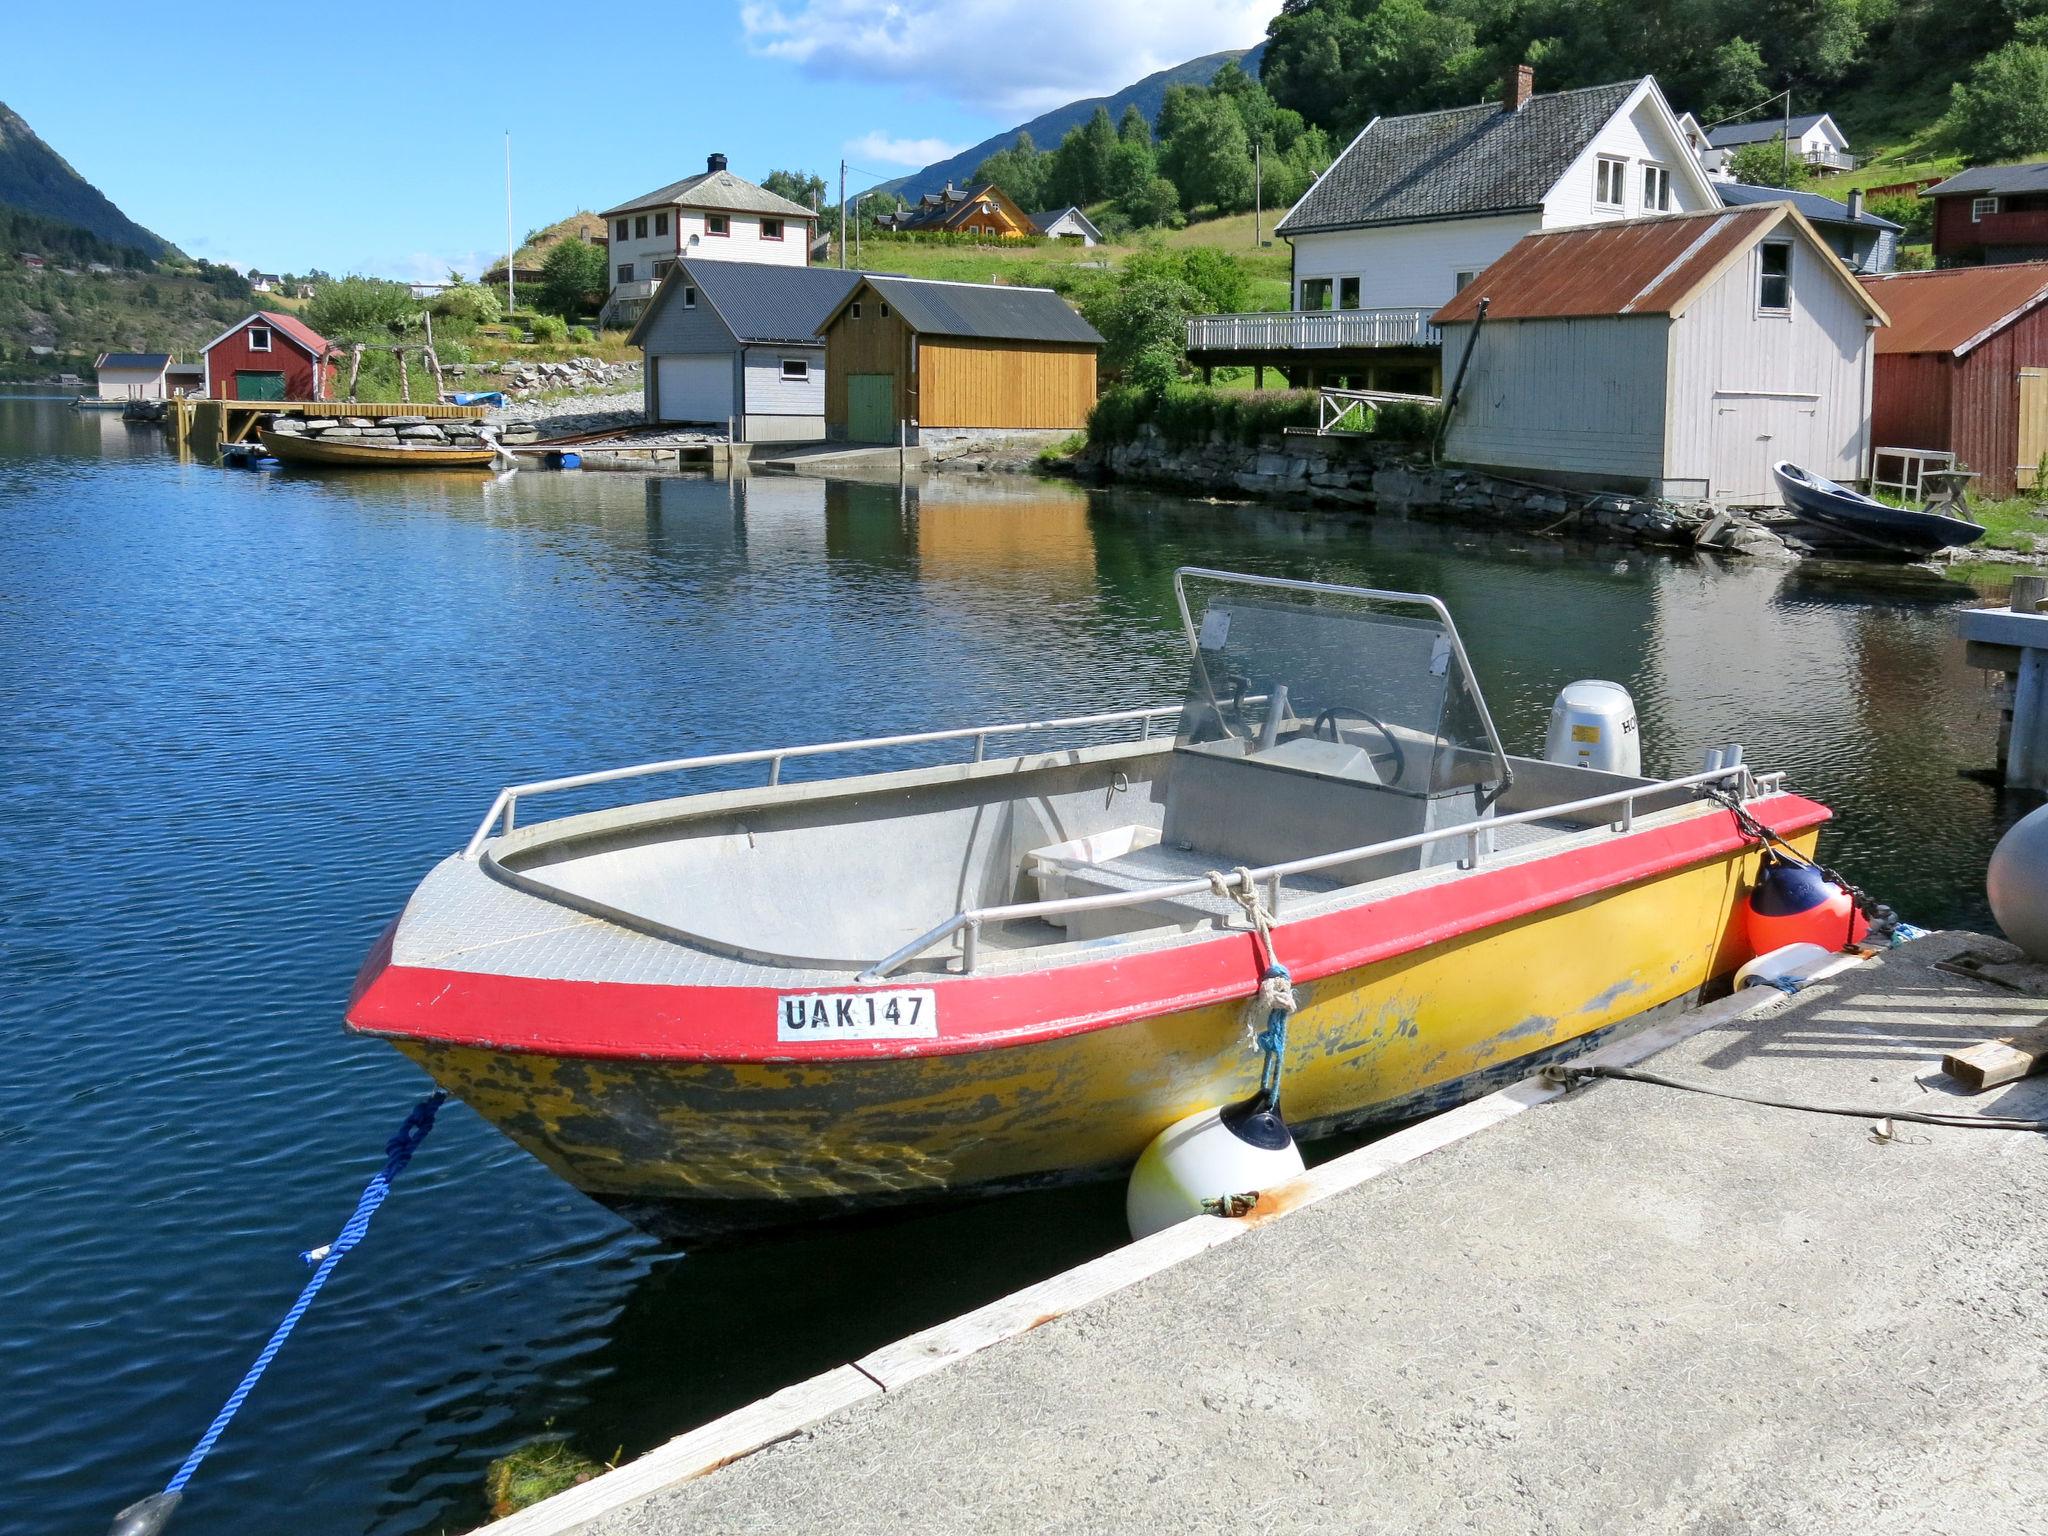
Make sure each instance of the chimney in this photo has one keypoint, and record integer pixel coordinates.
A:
(713, 164)
(1520, 88)
(1855, 203)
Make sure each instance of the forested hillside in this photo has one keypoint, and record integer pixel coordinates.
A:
(35, 179)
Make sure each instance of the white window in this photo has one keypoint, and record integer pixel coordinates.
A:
(1347, 293)
(259, 338)
(796, 369)
(1979, 206)
(1460, 281)
(689, 296)
(1315, 293)
(1774, 277)
(1610, 182)
(1656, 188)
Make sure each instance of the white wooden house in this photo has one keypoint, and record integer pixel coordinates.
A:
(131, 375)
(1814, 138)
(1677, 356)
(1416, 205)
(737, 342)
(713, 216)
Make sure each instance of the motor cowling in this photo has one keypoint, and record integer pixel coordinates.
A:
(1794, 903)
(1593, 725)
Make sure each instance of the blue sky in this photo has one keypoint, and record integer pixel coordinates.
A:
(371, 138)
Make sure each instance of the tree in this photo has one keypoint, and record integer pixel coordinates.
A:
(1021, 171)
(1135, 127)
(1766, 164)
(2001, 111)
(469, 302)
(362, 309)
(1143, 318)
(572, 278)
(1204, 150)
(1155, 203)
(1340, 63)
(1914, 215)
(800, 187)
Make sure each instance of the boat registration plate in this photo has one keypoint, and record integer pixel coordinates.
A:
(909, 1013)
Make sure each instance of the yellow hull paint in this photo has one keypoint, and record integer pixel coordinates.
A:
(1390, 1039)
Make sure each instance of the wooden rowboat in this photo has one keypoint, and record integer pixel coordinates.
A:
(292, 448)
(1868, 521)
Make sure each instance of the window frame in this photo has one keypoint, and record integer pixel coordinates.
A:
(885, 309)
(1460, 281)
(1610, 174)
(639, 226)
(262, 345)
(719, 224)
(853, 312)
(1351, 286)
(802, 367)
(1764, 276)
(1981, 206)
(1328, 295)
(1661, 174)
(625, 270)
(778, 223)
(689, 295)
(660, 268)
(621, 225)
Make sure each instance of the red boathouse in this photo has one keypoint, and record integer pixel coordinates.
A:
(269, 356)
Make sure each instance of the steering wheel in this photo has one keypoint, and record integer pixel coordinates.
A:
(1393, 747)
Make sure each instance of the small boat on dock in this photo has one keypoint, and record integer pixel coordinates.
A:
(1866, 521)
(327, 452)
(753, 1006)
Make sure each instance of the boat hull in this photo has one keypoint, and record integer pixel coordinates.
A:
(1868, 523)
(291, 448)
(699, 1147)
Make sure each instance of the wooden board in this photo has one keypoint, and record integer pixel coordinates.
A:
(1999, 1061)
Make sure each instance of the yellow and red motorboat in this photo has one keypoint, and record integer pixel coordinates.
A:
(761, 1005)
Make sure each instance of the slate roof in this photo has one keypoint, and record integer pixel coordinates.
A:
(1653, 266)
(1458, 163)
(718, 190)
(1954, 309)
(983, 311)
(2031, 177)
(1761, 131)
(150, 360)
(1818, 209)
(758, 301)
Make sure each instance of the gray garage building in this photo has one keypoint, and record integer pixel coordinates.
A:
(736, 341)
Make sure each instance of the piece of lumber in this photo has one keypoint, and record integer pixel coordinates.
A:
(1999, 1061)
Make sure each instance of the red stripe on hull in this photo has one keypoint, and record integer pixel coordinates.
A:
(567, 1017)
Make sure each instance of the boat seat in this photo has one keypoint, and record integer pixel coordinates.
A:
(1157, 865)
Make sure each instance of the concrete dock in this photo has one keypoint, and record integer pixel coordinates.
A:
(1609, 1307)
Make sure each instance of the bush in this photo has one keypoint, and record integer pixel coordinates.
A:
(362, 309)
(1190, 414)
(1914, 258)
(582, 334)
(2001, 111)
(572, 279)
(1915, 215)
(550, 328)
(469, 302)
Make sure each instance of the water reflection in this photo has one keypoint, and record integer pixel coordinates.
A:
(241, 714)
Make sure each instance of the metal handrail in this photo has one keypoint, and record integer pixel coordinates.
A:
(971, 920)
(506, 804)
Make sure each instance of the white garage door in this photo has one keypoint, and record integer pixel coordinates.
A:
(695, 386)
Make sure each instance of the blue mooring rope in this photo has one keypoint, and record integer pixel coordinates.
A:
(398, 1152)
(1272, 1040)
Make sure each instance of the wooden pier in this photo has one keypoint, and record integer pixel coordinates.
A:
(1588, 1305)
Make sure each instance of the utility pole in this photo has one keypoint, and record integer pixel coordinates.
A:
(511, 299)
(1785, 139)
(842, 215)
(1258, 184)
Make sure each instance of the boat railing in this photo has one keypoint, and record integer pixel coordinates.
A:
(504, 809)
(969, 922)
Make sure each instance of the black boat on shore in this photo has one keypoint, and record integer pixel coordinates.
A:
(1866, 521)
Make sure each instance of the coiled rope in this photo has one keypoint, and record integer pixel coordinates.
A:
(153, 1513)
(1276, 982)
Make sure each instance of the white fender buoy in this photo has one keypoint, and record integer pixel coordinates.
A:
(2017, 883)
(1231, 1149)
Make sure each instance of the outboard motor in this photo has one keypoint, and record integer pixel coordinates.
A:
(1593, 725)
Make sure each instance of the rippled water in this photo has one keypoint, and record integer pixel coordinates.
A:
(242, 713)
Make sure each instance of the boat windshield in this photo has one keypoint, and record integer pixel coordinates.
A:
(1336, 682)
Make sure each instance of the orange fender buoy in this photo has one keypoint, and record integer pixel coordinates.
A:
(1796, 904)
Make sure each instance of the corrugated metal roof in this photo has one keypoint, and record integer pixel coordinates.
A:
(763, 303)
(1952, 310)
(1818, 209)
(984, 311)
(1457, 163)
(298, 330)
(717, 190)
(150, 360)
(1630, 267)
(2031, 177)
(1760, 132)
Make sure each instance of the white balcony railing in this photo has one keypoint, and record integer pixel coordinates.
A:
(1312, 330)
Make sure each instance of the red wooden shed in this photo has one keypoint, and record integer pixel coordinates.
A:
(269, 356)
(1964, 367)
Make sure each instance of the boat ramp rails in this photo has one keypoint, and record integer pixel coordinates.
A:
(1575, 1304)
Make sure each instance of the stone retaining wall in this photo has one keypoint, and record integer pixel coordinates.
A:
(389, 429)
(1399, 478)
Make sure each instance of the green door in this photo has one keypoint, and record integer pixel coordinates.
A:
(258, 386)
(871, 407)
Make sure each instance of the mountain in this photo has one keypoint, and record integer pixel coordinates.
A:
(1049, 128)
(35, 179)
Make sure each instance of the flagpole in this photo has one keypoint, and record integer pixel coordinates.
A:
(511, 294)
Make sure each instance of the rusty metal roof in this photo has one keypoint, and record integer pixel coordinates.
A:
(1954, 309)
(1629, 267)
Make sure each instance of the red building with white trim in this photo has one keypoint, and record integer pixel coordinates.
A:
(269, 356)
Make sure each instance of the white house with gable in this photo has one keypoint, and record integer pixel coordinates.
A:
(1417, 205)
(713, 216)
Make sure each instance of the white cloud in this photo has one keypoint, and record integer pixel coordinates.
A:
(1008, 56)
(880, 148)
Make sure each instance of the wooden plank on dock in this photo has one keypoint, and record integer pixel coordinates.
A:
(1999, 1061)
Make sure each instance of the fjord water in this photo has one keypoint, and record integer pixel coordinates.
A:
(242, 713)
